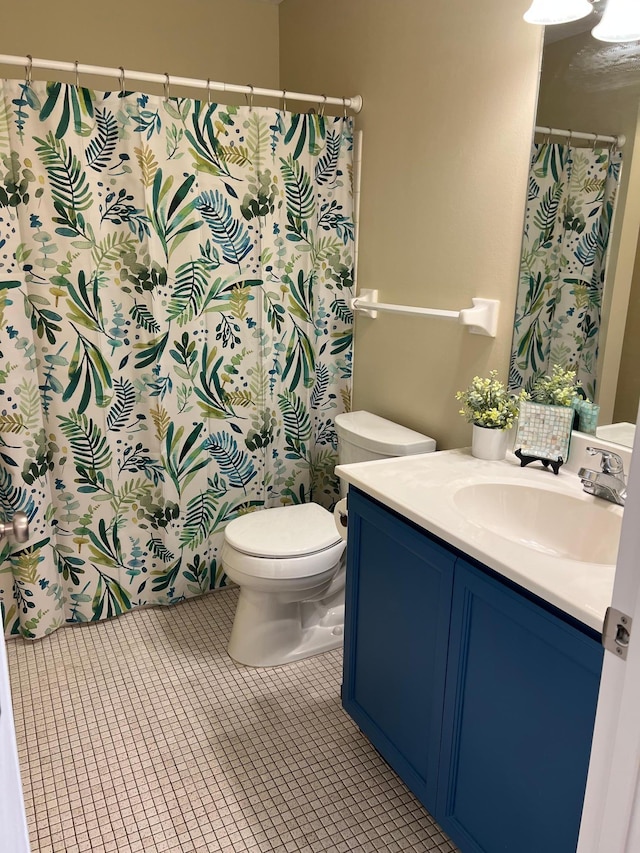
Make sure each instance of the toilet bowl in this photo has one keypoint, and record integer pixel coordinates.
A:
(290, 562)
(290, 567)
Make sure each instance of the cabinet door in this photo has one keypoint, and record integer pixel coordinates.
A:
(398, 600)
(522, 687)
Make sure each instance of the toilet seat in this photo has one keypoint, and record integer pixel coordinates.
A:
(290, 562)
(295, 541)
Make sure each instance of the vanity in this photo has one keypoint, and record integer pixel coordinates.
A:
(476, 593)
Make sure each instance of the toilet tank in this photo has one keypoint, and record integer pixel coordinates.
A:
(363, 437)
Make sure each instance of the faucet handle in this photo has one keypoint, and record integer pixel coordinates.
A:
(611, 462)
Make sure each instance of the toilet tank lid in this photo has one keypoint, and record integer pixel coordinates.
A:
(372, 432)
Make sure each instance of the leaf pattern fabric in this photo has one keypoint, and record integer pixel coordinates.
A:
(175, 337)
(570, 206)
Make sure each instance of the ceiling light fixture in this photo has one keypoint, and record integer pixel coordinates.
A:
(545, 12)
(620, 22)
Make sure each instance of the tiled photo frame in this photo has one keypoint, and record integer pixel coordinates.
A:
(544, 431)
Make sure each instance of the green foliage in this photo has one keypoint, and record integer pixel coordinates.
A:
(181, 458)
(300, 360)
(257, 135)
(68, 565)
(213, 399)
(234, 463)
(559, 389)
(145, 275)
(227, 231)
(16, 181)
(307, 128)
(327, 165)
(199, 520)
(190, 290)
(174, 341)
(297, 424)
(486, 403)
(570, 203)
(208, 152)
(100, 150)
(121, 408)
(301, 202)
(109, 599)
(40, 453)
(169, 215)
(73, 103)
(68, 181)
(89, 445)
(88, 372)
(260, 200)
(44, 321)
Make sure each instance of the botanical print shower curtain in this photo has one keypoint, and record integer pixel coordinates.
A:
(570, 207)
(175, 337)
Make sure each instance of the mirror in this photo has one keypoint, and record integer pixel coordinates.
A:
(590, 86)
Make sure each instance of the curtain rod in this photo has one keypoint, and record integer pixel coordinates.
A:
(618, 141)
(354, 103)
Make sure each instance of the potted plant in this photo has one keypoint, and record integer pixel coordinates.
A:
(559, 389)
(492, 410)
(562, 389)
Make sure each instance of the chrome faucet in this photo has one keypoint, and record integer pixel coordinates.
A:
(609, 482)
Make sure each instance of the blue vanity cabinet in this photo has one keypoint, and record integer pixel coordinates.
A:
(497, 698)
(398, 598)
(519, 711)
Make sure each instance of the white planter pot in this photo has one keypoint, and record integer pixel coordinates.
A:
(489, 443)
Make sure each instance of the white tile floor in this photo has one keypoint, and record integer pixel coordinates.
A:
(140, 734)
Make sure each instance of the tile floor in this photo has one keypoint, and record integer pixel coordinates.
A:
(140, 734)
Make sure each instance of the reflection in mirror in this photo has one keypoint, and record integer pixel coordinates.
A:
(570, 204)
(579, 298)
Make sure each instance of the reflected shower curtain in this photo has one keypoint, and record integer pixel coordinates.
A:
(175, 337)
(570, 207)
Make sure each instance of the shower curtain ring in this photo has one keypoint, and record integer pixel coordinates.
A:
(167, 80)
(208, 91)
(284, 100)
(249, 99)
(569, 138)
(344, 108)
(595, 142)
(28, 70)
(77, 76)
(322, 106)
(121, 67)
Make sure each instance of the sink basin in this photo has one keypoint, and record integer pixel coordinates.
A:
(555, 523)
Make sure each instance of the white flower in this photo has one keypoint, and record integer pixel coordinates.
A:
(487, 403)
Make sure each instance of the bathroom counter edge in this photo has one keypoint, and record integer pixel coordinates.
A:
(421, 489)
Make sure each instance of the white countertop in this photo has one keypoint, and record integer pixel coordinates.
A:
(422, 488)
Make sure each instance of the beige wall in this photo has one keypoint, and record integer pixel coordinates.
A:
(449, 91)
(580, 91)
(628, 391)
(449, 88)
(234, 41)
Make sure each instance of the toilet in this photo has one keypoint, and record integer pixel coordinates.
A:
(290, 561)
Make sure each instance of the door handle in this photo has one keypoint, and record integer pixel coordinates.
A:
(18, 527)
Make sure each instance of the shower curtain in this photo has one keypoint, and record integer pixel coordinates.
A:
(175, 337)
(568, 218)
